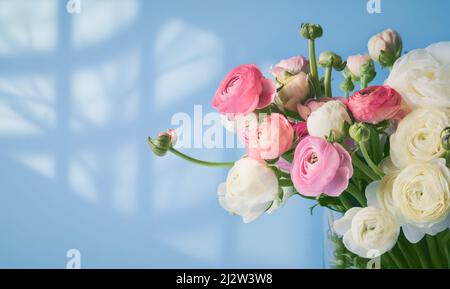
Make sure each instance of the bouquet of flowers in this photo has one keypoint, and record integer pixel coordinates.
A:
(379, 156)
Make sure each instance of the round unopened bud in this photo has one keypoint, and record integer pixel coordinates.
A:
(347, 85)
(311, 31)
(355, 63)
(359, 132)
(331, 59)
(367, 72)
(445, 139)
(162, 143)
(385, 47)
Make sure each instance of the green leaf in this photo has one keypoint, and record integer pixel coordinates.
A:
(285, 183)
(289, 155)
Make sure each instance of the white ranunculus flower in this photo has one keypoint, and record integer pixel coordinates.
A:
(368, 232)
(281, 199)
(422, 195)
(418, 137)
(250, 189)
(379, 194)
(328, 119)
(422, 76)
(419, 196)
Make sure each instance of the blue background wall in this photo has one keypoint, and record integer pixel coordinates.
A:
(80, 93)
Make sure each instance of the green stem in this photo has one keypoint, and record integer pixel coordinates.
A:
(396, 260)
(200, 162)
(387, 261)
(434, 252)
(354, 191)
(444, 243)
(361, 176)
(419, 247)
(399, 260)
(411, 251)
(369, 161)
(285, 183)
(363, 83)
(441, 251)
(364, 168)
(313, 66)
(345, 201)
(409, 257)
(328, 71)
(375, 145)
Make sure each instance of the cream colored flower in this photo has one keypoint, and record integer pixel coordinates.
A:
(368, 232)
(418, 137)
(422, 76)
(422, 195)
(295, 90)
(250, 189)
(419, 196)
(329, 119)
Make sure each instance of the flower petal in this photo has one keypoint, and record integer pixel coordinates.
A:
(372, 195)
(413, 234)
(344, 224)
(268, 93)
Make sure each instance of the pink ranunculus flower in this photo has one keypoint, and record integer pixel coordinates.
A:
(375, 104)
(273, 137)
(301, 130)
(243, 90)
(292, 75)
(320, 167)
(355, 62)
(292, 66)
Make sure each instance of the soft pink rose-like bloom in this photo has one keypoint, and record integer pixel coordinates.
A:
(320, 167)
(293, 66)
(388, 41)
(355, 62)
(273, 137)
(295, 90)
(243, 90)
(304, 110)
(292, 73)
(375, 104)
(301, 130)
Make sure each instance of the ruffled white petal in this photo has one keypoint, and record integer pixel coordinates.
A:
(413, 234)
(372, 195)
(344, 224)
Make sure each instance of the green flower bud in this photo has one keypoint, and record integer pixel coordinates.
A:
(445, 138)
(359, 132)
(368, 72)
(161, 144)
(311, 31)
(347, 85)
(331, 59)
